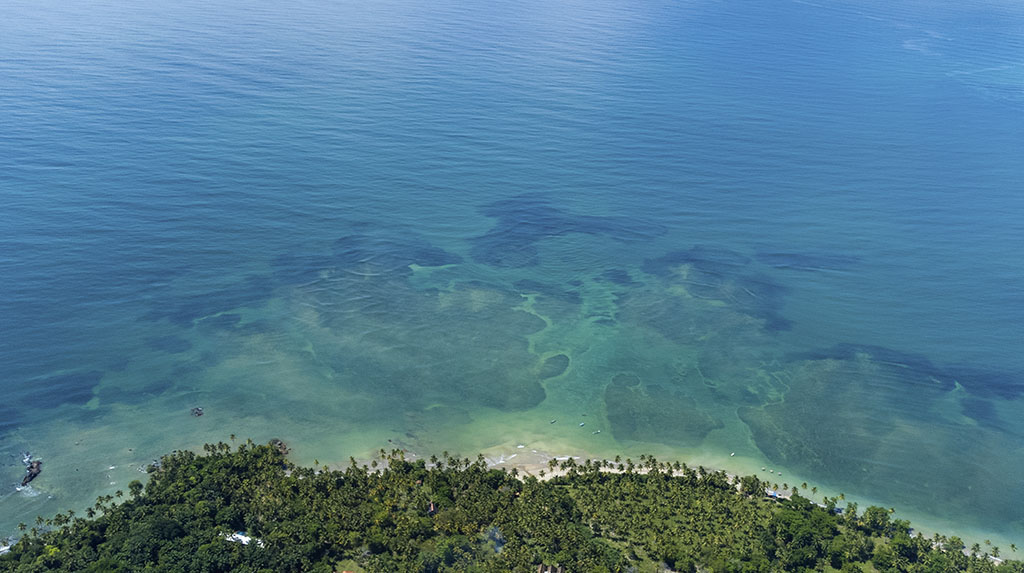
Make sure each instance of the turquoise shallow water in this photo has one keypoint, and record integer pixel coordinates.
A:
(787, 231)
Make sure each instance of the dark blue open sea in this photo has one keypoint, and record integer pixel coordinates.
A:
(789, 231)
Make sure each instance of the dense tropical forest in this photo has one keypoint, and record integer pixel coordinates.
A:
(453, 514)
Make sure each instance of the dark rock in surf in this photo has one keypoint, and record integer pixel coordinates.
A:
(34, 469)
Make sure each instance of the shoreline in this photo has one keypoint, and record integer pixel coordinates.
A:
(354, 514)
(531, 458)
(533, 462)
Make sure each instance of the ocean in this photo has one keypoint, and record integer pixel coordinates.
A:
(780, 235)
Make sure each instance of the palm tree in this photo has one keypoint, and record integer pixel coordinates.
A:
(1013, 547)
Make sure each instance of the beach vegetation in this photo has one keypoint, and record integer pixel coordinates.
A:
(247, 508)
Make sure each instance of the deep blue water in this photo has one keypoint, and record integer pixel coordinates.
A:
(787, 230)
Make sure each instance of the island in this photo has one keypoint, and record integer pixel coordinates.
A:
(247, 508)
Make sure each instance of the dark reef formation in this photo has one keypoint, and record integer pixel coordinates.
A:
(654, 413)
(524, 221)
(554, 366)
(715, 273)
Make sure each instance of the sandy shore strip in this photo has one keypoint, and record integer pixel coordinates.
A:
(535, 462)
